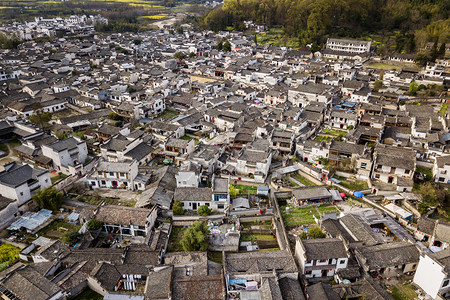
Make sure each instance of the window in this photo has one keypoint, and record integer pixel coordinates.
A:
(446, 282)
(103, 182)
(377, 176)
(122, 174)
(441, 179)
(46, 180)
(363, 165)
(93, 183)
(220, 206)
(342, 261)
(21, 193)
(308, 272)
(100, 173)
(406, 171)
(111, 173)
(207, 204)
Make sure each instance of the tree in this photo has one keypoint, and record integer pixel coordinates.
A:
(192, 55)
(40, 117)
(137, 41)
(432, 195)
(421, 60)
(179, 29)
(48, 198)
(195, 238)
(179, 55)
(114, 116)
(70, 237)
(226, 46)
(177, 207)
(206, 54)
(316, 233)
(94, 224)
(377, 85)
(61, 135)
(204, 211)
(413, 88)
(233, 190)
(219, 45)
(441, 51)
(312, 233)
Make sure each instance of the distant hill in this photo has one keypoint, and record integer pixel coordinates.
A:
(416, 21)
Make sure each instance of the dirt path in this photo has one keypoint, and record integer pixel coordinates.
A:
(9, 158)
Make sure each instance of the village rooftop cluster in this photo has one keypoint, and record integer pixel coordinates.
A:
(302, 166)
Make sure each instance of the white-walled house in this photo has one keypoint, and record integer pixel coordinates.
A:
(126, 221)
(188, 176)
(107, 174)
(441, 169)
(311, 151)
(8, 211)
(321, 257)
(194, 197)
(254, 160)
(342, 119)
(20, 182)
(68, 155)
(433, 274)
(393, 163)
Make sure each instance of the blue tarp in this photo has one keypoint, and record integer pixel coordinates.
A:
(237, 280)
(335, 180)
(358, 194)
(348, 104)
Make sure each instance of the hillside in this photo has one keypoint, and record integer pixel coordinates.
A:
(412, 22)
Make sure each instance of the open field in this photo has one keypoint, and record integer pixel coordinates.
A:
(276, 37)
(354, 185)
(174, 240)
(242, 189)
(304, 180)
(304, 215)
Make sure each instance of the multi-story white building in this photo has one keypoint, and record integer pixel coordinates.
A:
(109, 174)
(433, 274)
(19, 182)
(350, 46)
(392, 164)
(68, 155)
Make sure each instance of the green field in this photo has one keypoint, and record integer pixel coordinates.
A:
(256, 237)
(304, 180)
(8, 255)
(174, 240)
(237, 189)
(58, 177)
(276, 37)
(356, 185)
(304, 215)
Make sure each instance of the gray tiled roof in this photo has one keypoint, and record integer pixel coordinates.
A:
(20, 175)
(321, 249)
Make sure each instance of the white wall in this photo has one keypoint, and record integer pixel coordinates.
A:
(429, 276)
